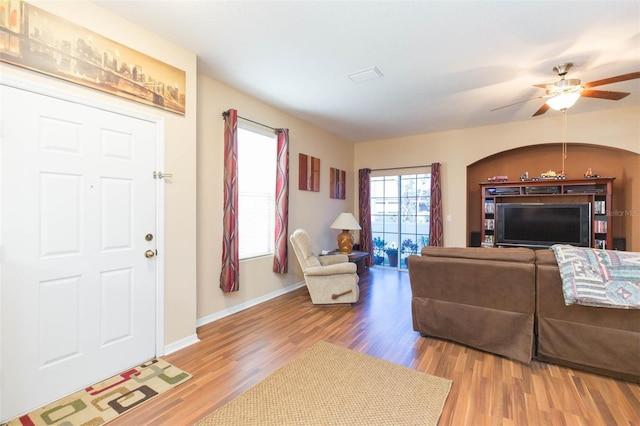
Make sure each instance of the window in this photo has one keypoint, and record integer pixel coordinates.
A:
(400, 208)
(256, 191)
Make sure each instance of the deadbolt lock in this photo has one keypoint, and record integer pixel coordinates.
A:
(148, 237)
(149, 254)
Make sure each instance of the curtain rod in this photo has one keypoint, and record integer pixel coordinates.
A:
(400, 168)
(225, 113)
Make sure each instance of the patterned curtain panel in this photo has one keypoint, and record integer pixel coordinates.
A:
(435, 223)
(364, 213)
(229, 275)
(280, 257)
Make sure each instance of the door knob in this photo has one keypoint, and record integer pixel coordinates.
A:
(149, 254)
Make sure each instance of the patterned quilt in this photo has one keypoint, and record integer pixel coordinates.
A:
(595, 277)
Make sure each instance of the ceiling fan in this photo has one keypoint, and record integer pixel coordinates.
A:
(563, 93)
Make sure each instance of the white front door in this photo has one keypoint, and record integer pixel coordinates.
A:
(77, 216)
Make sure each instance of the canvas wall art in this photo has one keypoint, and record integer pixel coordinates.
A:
(308, 173)
(37, 40)
(337, 183)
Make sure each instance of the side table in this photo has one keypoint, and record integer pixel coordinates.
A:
(357, 257)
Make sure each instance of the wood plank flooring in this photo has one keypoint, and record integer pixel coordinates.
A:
(238, 351)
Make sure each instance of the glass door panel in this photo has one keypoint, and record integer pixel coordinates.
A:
(399, 217)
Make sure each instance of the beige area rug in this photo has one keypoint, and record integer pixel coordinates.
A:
(331, 385)
(109, 399)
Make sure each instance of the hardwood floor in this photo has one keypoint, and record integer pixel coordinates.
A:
(238, 351)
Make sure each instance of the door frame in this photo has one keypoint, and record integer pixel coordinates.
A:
(159, 123)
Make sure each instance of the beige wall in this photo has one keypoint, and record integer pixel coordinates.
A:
(455, 150)
(313, 211)
(180, 151)
(193, 152)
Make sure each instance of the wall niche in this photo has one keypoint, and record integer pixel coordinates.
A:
(537, 159)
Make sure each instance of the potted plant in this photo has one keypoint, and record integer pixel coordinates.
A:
(379, 246)
(392, 254)
(408, 247)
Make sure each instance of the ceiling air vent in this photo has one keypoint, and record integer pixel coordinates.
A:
(366, 75)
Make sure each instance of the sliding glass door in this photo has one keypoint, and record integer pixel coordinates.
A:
(399, 217)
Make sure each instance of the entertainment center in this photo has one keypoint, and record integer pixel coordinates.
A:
(540, 213)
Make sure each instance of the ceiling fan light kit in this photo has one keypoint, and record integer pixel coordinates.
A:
(563, 101)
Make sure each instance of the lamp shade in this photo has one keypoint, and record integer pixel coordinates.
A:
(563, 100)
(345, 221)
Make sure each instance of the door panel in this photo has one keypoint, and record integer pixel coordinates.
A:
(78, 293)
(116, 307)
(116, 215)
(60, 222)
(59, 320)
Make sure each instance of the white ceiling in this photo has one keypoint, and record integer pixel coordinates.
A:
(446, 64)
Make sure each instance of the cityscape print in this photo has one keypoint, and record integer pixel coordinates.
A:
(35, 39)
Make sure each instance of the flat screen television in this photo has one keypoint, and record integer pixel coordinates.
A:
(543, 225)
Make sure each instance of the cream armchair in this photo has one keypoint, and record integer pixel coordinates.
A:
(330, 278)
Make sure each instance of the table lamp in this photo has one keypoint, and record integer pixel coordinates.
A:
(346, 222)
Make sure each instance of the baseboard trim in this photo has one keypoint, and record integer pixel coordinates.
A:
(242, 306)
(181, 344)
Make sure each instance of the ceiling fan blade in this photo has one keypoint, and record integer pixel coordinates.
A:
(541, 110)
(604, 94)
(516, 103)
(617, 79)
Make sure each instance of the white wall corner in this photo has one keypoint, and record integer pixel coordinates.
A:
(180, 344)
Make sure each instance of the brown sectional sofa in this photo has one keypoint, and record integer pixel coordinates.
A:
(509, 302)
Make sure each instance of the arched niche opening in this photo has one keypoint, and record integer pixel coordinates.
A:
(536, 159)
